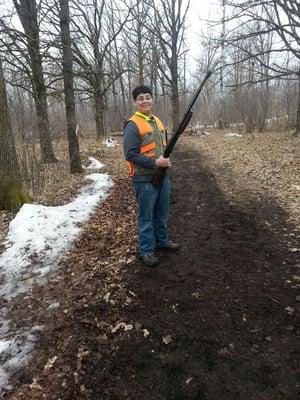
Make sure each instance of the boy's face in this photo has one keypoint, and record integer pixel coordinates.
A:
(143, 103)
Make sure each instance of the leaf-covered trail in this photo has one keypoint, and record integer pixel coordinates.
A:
(218, 320)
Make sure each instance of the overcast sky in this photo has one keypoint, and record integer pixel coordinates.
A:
(201, 10)
(199, 13)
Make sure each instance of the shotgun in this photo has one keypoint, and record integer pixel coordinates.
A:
(158, 177)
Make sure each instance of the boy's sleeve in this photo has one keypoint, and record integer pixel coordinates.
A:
(132, 145)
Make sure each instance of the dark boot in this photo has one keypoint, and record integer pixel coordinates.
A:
(149, 259)
(169, 246)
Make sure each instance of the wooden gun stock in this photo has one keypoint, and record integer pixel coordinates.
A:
(158, 177)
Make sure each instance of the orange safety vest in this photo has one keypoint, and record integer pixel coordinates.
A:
(152, 134)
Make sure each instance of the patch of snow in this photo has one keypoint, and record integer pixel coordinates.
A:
(4, 323)
(4, 344)
(204, 133)
(15, 353)
(3, 378)
(37, 239)
(233, 135)
(39, 235)
(94, 164)
(110, 142)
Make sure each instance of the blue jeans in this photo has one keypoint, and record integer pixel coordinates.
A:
(153, 211)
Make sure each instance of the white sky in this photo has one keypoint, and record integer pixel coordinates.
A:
(199, 13)
(37, 239)
(202, 10)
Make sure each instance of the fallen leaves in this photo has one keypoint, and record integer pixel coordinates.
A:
(129, 327)
(35, 385)
(107, 296)
(196, 294)
(167, 339)
(50, 363)
(146, 332)
(290, 310)
(121, 325)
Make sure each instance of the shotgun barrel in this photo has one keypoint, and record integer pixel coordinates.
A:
(158, 177)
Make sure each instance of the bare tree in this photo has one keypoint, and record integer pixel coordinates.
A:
(138, 38)
(222, 94)
(282, 17)
(74, 156)
(28, 15)
(11, 194)
(207, 108)
(169, 26)
(93, 50)
(248, 81)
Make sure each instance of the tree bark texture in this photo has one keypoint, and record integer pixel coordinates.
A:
(27, 13)
(11, 195)
(297, 131)
(75, 161)
(99, 113)
(175, 98)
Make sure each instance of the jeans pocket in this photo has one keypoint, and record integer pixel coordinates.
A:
(143, 187)
(145, 194)
(146, 187)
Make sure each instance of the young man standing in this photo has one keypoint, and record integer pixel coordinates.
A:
(144, 143)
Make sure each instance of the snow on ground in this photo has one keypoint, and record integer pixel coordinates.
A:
(110, 142)
(37, 239)
(94, 164)
(233, 135)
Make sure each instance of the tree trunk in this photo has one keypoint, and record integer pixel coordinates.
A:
(140, 59)
(297, 131)
(27, 13)
(115, 121)
(175, 99)
(99, 113)
(222, 94)
(124, 102)
(12, 196)
(75, 162)
(44, 127)
(122, 86)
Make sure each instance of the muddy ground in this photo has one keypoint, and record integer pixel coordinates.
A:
(217, 320)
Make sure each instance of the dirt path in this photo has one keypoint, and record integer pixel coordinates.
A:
(218, 320)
